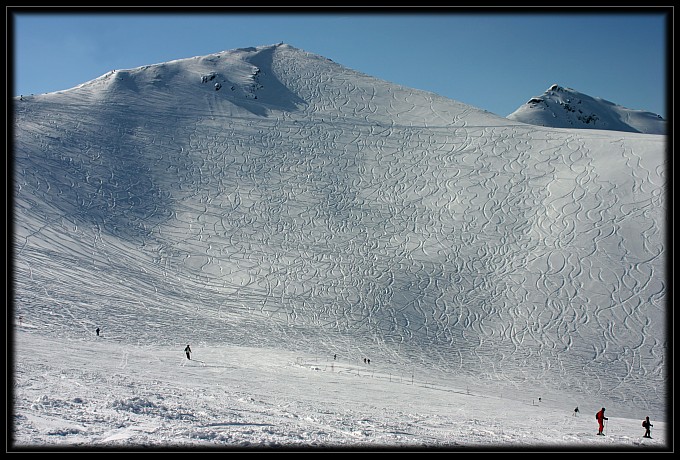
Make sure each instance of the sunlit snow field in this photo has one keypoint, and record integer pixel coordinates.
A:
(301, 210)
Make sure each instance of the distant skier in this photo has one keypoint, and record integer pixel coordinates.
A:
(647, 425)
(600, 420)
(575, 411)
(187, 350)
(97, 331)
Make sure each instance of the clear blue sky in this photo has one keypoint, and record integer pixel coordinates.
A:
(492, 59)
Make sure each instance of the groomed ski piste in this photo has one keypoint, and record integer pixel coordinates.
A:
(304, 210)
(102, 393)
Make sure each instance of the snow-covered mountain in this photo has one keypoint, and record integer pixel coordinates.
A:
(270, 198)
(561, 107)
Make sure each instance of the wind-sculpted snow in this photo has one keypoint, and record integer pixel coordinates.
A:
(315, 208)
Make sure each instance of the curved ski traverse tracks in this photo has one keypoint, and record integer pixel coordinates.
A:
(310, 207)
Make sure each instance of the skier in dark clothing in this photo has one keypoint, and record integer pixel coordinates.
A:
(600, 420)
(97, 331)
(575, 411)
(647, 425)
(187, 350)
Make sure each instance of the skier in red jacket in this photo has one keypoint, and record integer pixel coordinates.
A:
(600, 419)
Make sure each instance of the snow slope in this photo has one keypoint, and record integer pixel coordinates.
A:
(299, 210)
(561, 107)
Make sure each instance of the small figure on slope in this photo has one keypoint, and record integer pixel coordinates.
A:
(187, 350)
(600, 420)
(646, 424)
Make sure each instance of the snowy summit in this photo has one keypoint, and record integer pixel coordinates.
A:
(561, 107)
(263, 249)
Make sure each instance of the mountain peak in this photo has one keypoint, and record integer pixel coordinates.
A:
(563, 107)
(263, 81)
